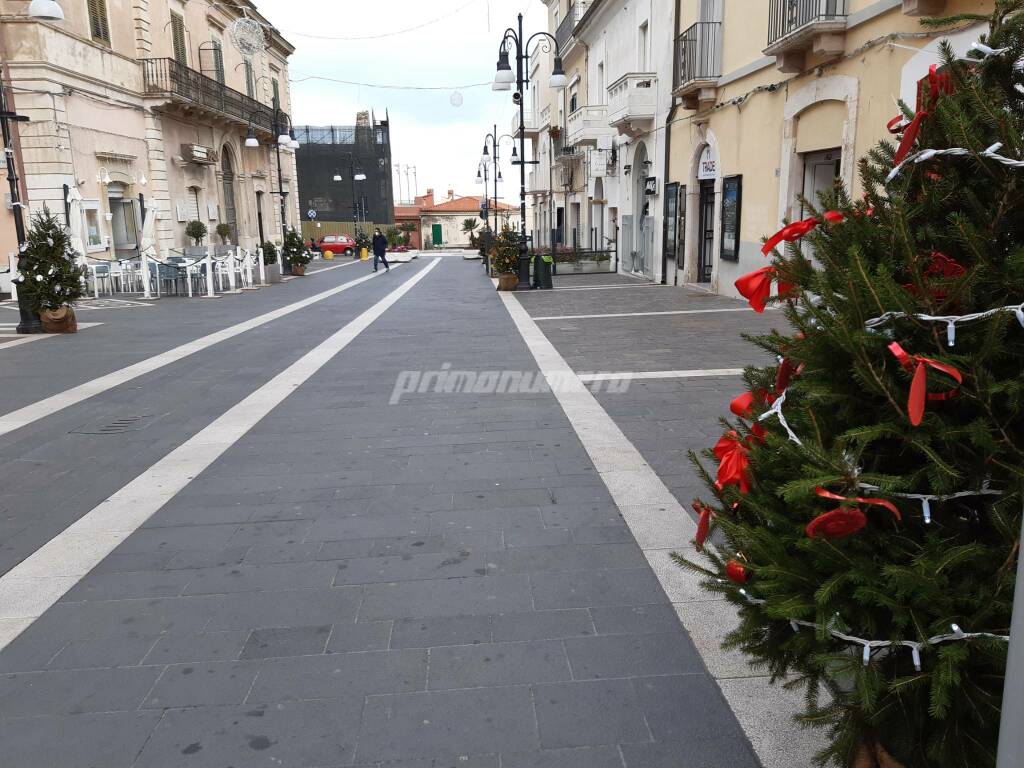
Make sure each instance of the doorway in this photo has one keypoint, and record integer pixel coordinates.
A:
(821, 169)
(436, 234)
(706, 231)
(123, 223)
(228, 173)
(259, 217)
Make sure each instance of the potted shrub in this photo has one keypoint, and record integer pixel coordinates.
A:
(294, 250)
(49, 275)
(196, 232)
(505, 258)
(273, 269)
(223, 232)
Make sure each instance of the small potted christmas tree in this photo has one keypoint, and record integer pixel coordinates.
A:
(295, 253)
(49, 275)
(505, 259)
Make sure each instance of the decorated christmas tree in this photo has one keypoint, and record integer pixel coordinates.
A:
(49, 274)
(294, 249)
(864, 505)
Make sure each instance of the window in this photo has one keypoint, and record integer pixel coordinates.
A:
(178, 39)
(641, 48)
(98, 25)
(250, 80)
(91, 216)
(218, 60)
(277, 92)
(732, 199)
(192, 204)
(573, 99)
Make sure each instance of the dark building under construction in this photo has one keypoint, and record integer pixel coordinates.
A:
(347, 152)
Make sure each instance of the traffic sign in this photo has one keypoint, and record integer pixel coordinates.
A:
(311, 214)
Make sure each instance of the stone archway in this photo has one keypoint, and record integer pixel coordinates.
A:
(229, 214)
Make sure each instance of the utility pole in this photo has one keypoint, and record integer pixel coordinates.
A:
(416, 184)
(398, 173)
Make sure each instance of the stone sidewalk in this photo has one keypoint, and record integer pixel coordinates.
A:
(444, 582)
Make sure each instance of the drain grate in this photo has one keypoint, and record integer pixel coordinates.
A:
(116, 427)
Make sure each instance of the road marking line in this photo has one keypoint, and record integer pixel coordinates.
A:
(657, 521)
(41, 579)
(31, 413)
(19, 339)
(643, 314)
(606, 287)
(635, 375)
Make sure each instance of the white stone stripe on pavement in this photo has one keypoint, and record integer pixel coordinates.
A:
(47, 406)
(643, 314)
(661, 526)
(40, 580)
(608, 287)
(635, 375)
(9, 338)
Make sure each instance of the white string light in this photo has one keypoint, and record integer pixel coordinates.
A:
(949, 320)
(776, 410)
(991, 154)
(869, 645)
(923, 156)
(927, 498)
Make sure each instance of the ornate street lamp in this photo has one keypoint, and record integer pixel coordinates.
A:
(280, 126)
(494, 140)
(514, 42)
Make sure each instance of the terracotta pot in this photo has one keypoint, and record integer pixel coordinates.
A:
(61, 320)
(507, 281)
(299, 269)
(875, 756)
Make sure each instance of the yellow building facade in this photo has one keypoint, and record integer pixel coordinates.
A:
(775, 101)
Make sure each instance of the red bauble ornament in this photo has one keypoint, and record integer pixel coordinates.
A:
(836, 524)
(737, 573)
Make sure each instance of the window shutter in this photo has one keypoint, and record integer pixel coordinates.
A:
(98, 25)
(250, 82)
(277, 93)
(218, 61)
(178, 39)
(192, 204)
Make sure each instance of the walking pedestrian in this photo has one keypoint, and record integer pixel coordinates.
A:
(380, 249)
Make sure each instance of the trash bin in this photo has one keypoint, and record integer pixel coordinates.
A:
(544, 279)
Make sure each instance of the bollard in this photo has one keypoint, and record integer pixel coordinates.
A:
(210, 294)
(145, 276)
(229, 262)
(262, 266)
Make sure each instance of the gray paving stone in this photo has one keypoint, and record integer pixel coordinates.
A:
(601, 534)
(587, 515)
(447, 630)
(263, 554)
(179, 647)
(447, 724)
(125, 562)
(632, 655)
(446, 597)
(537, 537)
(461, 761)
(344, 549)
(275, 532)
(115, 586)
(589, 713)
(286, 641)
(635, 620)
(178, 537)
(733, 752)
(108, 739)
(490, 664)
(582, 589)
(335, 528)
(360, 636)
(340, 675)
(581, 757)
(295, 608)
(91, 652)
(372, 570)
(202, 684)
(568, 557)
(480, 519)
(70, 692)
(258, 578)
(541, 625)
(190, 559)
(305, 733)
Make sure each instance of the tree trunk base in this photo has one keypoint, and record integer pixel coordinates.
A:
(61, 320)
(874, 756)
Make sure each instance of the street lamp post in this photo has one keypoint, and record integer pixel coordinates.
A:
(354, 176)
(485, 158)
(28, 321)
(503, 80)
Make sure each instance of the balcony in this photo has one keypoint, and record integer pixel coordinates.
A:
(586, 125)
(566, 27)
(632, 103)
(923, 7)
(698, 64)
(563, 152)
(202, 95)
(796, 27)
(531, 126)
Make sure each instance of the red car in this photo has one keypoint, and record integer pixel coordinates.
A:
(338, 244)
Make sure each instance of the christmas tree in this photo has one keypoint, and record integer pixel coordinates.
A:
(49, 274)
(294, 249)
(866, 504)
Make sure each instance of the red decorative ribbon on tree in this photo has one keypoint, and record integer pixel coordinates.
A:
(756, 287)
(844, 521)
(919, 393)
(793, 232)
(705, 514)
(743, 405)
(937, 85)
(733, 464)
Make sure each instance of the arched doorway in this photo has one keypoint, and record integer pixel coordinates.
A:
(229, 217)
(643, 238)
(597, 208)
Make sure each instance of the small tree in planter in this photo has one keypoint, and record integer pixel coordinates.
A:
(407, 228)
(49, 276)
(505, 259)
(196, 232)
(294, 250)
(269, 253)
(394, 236)
(224, 232)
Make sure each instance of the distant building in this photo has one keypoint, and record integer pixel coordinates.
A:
(441, 222)
(346, 151)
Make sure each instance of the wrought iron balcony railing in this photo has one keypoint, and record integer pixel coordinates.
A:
(567, 25)
(788, 16)
(699, 53)
(171, 78)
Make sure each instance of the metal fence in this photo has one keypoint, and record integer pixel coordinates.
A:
(168, 76)
(699, 53)
(787, 16)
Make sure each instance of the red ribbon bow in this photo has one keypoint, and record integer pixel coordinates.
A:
(733, 464)
(703, 523)
(756, 287)
(844, 521)
(743, 405)
(910, 130)
(793, 232)
(787, 371)
(919, 385)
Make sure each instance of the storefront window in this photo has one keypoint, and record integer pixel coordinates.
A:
(732, 198)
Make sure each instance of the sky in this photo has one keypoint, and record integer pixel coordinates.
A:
(442, 141)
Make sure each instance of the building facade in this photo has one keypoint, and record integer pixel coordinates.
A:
(140, 110)
(775, 102)
(349, 152)
(441, 220)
